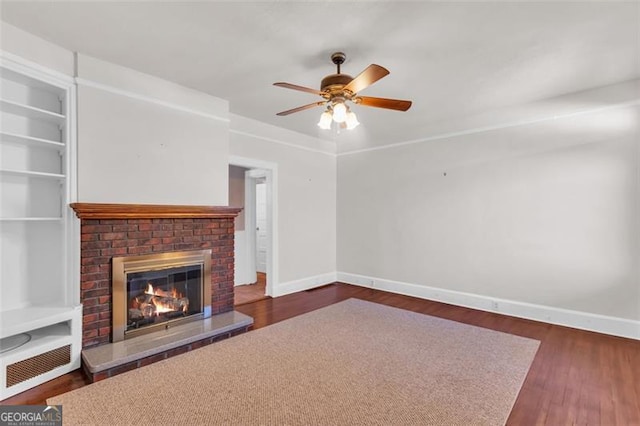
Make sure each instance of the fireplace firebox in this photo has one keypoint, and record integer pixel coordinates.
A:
(158, 291)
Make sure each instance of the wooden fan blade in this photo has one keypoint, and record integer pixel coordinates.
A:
(396, 104)
(301, 108)
(366, 78)
(300, 88)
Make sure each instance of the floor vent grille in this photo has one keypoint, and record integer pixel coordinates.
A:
(32, 367)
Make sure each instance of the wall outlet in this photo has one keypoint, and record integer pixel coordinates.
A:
(494, 305)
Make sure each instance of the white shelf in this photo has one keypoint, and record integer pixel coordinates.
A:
(30, 140)
(27, 319)
(30, 219)
(27, 173)
(26, 80)
(32, 112)
(53, 335)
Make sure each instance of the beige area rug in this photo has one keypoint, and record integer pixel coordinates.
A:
(354, 362)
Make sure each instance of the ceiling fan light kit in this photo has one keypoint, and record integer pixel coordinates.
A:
(340, 89)
(351, 121)
(325, 120)
(339, 111)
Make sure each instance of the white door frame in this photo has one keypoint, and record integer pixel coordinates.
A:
(250, 174)
(268, 170)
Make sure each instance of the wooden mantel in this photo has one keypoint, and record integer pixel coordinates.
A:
(150, 211)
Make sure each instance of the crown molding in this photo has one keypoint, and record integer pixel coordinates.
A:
(118, 91)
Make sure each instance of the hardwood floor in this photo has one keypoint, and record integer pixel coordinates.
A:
(251, 292)
(577, 377)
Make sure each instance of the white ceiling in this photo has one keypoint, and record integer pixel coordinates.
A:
(452, 59)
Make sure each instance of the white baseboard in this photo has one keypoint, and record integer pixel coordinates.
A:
(303, 284)
(582, 320)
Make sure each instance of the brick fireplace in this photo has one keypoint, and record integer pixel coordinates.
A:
(113, 230)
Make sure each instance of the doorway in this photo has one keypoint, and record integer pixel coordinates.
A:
(255, 249)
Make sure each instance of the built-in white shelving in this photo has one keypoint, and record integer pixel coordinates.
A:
(29, 318)
(30, 140)
(24, 75)
(39, 262)
(45, 336)
(50, 331)
(31, 112)
(30, 173)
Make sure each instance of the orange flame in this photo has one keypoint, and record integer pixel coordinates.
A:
(162, 293)
(162, 307)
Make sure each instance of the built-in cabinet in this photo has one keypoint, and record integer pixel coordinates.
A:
(40, 310)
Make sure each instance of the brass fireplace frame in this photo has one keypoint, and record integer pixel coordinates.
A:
(129, 264)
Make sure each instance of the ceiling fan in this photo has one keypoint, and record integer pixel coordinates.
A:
(338, 89)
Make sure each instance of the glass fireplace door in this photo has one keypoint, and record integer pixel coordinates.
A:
(155, 291)
(162, 295)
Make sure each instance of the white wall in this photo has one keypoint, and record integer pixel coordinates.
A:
(144, 140)
(27, 46)
(546, 213)
(236, 194)
(306, 201)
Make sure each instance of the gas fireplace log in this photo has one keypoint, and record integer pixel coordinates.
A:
(148, 309)
(162, 293)
(135, 314)
(147, 305)
(168, 303)
(140, 299)
(163, 304)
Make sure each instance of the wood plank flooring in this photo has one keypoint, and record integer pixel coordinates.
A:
(577, 377)
(251, 292)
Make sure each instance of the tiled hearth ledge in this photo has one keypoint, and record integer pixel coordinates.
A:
(109, 230)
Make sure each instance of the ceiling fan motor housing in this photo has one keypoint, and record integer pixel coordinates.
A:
(335, 82)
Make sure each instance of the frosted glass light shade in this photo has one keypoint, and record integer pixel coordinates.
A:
(339, 112)
(325, 121)
(351, 120)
